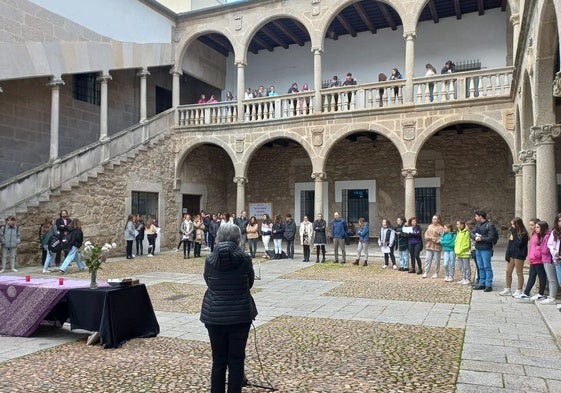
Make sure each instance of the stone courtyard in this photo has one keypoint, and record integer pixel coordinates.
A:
(320, 328)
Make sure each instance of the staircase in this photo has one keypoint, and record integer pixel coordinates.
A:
(38, 185)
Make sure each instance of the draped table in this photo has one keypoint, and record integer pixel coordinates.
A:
(117, 313)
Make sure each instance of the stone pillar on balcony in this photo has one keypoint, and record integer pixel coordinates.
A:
(517, 169)
(175, 93)
(318, 177)
(542, 137)
(103, 81)
(241, 88)
(142, 74)
(54, 84)
(528, 162)
(515, 20)
(409, 175)
(409, 64)
(318, 52)
(241, 181)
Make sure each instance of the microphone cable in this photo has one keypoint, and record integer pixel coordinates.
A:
(269, 385)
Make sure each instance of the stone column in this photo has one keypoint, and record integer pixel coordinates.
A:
(409, 64)
(143, 74)
(54, 84)
(318, 177)
(515, 20)
(546, 183)
(103, 80)
(409, 175)
(528, 162)
(517, 169)
(240, 195)
(241, 88)
(175, 92)
(318, 52)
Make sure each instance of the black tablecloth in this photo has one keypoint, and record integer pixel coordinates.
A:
(117, 313)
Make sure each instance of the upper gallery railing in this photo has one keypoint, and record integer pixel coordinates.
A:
(437, 89)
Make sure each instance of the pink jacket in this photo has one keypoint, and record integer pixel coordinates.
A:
(539, 253)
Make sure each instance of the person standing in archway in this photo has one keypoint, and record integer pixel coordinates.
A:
(339, 233)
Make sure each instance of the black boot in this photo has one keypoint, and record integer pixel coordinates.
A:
(356, 262)
(365, 263)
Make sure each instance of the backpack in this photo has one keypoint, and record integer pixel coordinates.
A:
(495, 235)
(55, 244)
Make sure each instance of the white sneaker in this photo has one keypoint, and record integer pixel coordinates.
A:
(434, 275)
(425, 275)
(394, 267)
(2, 271)
(517, 293)
(466, 282)
(149, 255)
(176, 250)
(537, 296)
(45, 271)
(548, 301)
(462, 281)
(522, 296)
(385, 267)
(505, 292)
(14, 270)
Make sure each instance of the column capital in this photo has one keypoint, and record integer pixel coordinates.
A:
(240, 180)
(408, 173)
(543, 135)
(143, 72)
(241, 63)
(527, 157)
(515, 19)
(319, 176)
(410, 35)
(317, 51)
(517, 169)
(103, 78)
(55, 82)
(176, 71)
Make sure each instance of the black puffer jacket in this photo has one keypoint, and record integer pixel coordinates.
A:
(74, 238)
(229, 276)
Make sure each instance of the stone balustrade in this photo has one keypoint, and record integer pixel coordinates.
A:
(38, 183)
(461, 86)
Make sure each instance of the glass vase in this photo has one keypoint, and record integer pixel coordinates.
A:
(93, 279)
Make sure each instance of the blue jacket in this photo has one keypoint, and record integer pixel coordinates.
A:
(339, 228)
(364, 233)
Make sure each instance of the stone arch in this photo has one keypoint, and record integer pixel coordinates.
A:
(287, 13)
(331, 141)
(199, 141)
(334, 11)
(479, 119)
(256, 144)
(188, 40)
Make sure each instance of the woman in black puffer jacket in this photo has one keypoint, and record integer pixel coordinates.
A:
(228, 308)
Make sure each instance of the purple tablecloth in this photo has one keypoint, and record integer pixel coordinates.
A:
(23, 305)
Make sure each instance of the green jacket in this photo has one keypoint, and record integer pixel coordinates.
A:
(462, 243)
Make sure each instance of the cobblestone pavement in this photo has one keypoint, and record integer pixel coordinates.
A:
(321, 328)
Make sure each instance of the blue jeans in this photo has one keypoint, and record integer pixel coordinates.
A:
(404, 259)
(73, 254)
(50, 260)
(558, 271)
(228, 352)
(483, 258)
(449, 263)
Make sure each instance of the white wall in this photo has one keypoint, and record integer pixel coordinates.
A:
(121, 20)
(472, 37)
